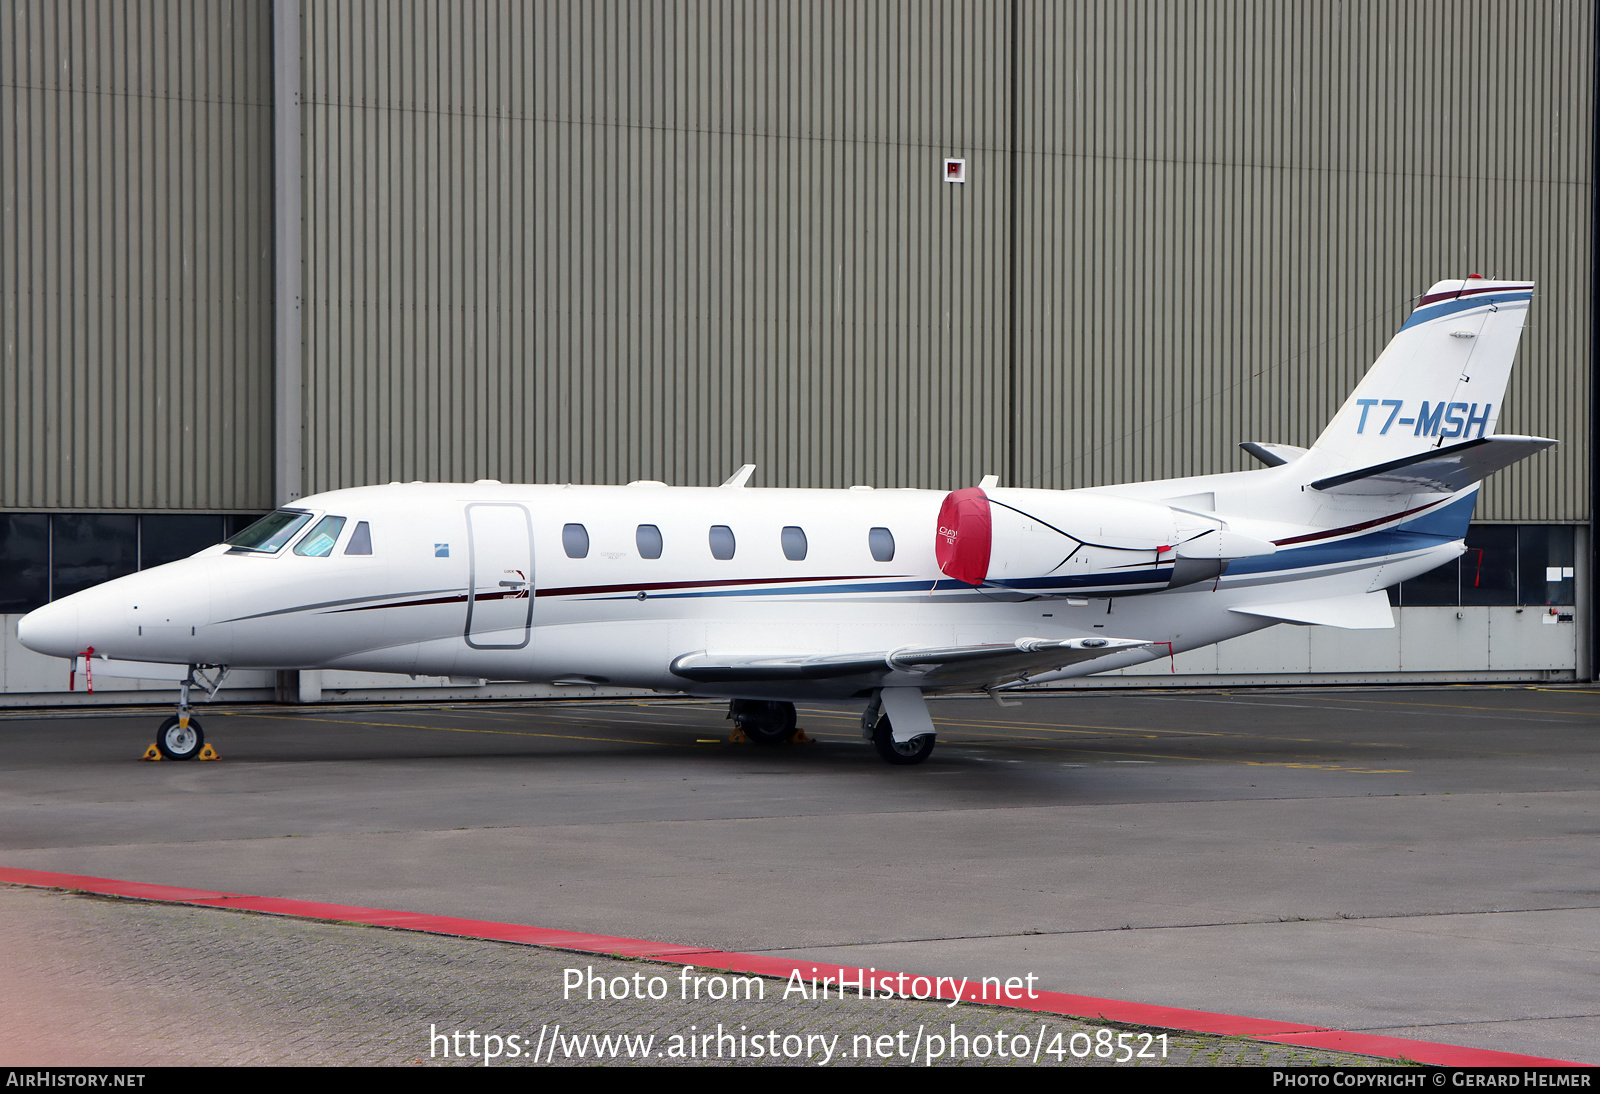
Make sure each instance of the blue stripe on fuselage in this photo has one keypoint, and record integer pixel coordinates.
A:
(1090, 581)
(1450, 520)
(1372, 545)
(788, 590)
(1443, 525)
(943, 585)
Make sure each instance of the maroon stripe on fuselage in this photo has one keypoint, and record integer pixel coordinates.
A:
(460, 599)
(651, 586)
(597, 590)
(1331, 532)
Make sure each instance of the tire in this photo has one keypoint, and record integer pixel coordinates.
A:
(763, 722)
(180, 744)
(902, 754)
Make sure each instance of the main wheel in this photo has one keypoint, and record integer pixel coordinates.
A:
(177, 743)
(900, 753)
(762, 721)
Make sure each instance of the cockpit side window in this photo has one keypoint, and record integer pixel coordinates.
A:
(360, 540)
(318, 543)
(271, 532)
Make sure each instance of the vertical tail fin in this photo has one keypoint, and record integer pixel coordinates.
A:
(1440, 381)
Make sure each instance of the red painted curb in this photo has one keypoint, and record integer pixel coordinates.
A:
(1045, 1002)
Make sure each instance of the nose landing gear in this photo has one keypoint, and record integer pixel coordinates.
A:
(180, 736)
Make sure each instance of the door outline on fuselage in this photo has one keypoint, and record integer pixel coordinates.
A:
(517, 558)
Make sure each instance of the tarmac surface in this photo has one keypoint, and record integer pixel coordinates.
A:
(1418, 863)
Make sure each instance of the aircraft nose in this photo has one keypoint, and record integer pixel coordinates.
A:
(53, 629)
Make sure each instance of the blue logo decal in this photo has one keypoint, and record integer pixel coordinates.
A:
(441, 550)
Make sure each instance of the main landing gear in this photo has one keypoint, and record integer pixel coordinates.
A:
(180, 736)
(763, 722)
(900, 753)
(767, 722)
(876, 726)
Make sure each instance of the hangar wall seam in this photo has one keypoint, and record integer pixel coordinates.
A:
(288, 418)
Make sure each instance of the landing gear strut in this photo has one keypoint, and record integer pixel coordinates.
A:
(180, 736)
(763, 722)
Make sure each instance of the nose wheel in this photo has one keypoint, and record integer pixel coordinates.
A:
(180, 738)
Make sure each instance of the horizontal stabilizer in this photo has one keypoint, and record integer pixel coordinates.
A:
(1355, 612)
(938, 666)
(1273, 455)
(1436, 470)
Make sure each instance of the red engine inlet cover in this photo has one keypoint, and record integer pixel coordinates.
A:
(965, 535)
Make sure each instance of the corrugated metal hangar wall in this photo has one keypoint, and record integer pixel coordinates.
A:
(590, 241)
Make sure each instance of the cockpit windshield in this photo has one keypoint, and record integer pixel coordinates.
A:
(320, 540)
(271, 532)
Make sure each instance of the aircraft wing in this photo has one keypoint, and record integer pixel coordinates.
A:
(928, 667)
(1437, 470)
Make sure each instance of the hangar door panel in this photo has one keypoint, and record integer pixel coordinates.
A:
(500, 600)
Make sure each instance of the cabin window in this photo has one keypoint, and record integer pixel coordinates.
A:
(575, 540)
(881, 541)
(648, 537)
(318, 543)
(360, 540)
(794, 543)
(271, 532)
(721, 542)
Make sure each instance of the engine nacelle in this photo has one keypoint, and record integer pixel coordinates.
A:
(1063, 543)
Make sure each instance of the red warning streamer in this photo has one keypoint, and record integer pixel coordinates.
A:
(88, 671)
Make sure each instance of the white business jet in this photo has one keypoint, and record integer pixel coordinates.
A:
(766, 597)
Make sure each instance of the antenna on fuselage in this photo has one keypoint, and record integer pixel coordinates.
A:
(741, 476)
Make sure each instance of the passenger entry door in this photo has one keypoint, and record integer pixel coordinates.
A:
(500, 583)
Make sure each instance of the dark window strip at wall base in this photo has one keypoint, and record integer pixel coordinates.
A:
(46, 556)
(1510, 565)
